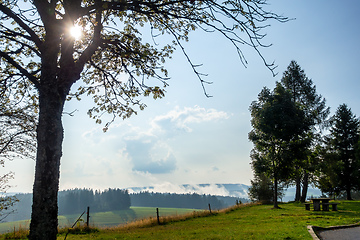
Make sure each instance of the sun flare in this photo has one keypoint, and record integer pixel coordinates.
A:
(76, 32)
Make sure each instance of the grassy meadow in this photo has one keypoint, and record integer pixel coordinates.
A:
(114, 218)
(252, 221)
(103, 219)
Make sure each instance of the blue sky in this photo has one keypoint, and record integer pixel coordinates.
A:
(186, 138)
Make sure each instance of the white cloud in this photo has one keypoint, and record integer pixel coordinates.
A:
(140, 152)
(149, 149)
(180, 119)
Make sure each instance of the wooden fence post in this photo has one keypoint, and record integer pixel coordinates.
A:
(73, 225)
(209, 208)
(88, 216)
(157, 215)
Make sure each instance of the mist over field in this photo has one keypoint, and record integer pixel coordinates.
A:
(231, 190)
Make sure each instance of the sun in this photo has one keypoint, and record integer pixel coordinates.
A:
(76, 32)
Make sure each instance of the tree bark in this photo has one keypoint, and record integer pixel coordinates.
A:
(298, 185)
(305, 187)
(276, 193)
(348, 193)
(54, 86)
(348, 178)
(44, 220)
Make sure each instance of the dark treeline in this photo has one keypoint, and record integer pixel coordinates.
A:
(172, 200)
(22, 209)
(76, 200)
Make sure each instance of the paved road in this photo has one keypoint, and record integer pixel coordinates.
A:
(352, 233)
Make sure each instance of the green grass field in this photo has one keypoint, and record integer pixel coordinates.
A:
(245, 222)
(103, 219)
(114, 218)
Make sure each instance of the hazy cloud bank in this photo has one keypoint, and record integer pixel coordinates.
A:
(233, 190)
(150, 151)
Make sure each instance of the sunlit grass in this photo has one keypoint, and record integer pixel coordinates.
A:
(20, 232)
(100, 219)
(246, 221)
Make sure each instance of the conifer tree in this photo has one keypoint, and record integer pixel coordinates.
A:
(313, 104)
(343, 165)
(278, 124)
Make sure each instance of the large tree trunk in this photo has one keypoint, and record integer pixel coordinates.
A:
(348, 179)
(49, 137)
(297, 185)
(54, 86)
(276, 193)
(305, 187)
(348, 193)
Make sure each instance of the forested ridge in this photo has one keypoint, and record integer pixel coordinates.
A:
(75, 201)
(190, 200)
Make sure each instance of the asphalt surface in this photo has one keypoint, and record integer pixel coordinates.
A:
(352, 233)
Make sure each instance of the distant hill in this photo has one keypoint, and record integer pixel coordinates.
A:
(219, 195)
(228, 190)
(236, 190)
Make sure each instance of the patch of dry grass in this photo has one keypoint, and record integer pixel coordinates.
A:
(22, 231)
(19, 233)
(153, 221)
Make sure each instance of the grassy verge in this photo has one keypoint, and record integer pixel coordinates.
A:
(115, 218)
(244, 222)
(101, 219)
